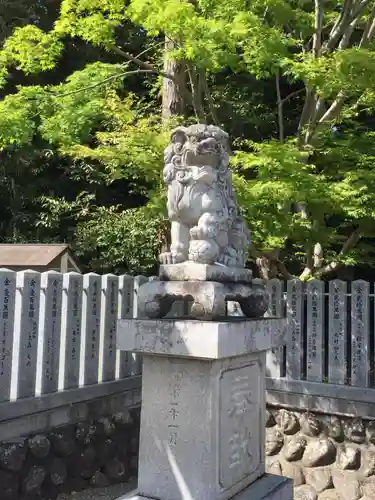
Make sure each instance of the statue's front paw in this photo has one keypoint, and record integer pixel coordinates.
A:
(171, 258)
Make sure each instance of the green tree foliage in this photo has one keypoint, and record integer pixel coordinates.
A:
(291, 81)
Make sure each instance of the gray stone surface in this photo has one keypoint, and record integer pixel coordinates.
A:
(334, 455)
(305, 492)
(368, 487)
(326, 398)
(337, 314)
(200, 339)
(34, 415)
(314, 330)
(267, 487)
(202, 427)
(294, 448)
(71, 457)
(208, 298)
(319, 478)
(360, 328)
(113, 492)
(331, 495)
(287, 421)
(346, 484)
(319, 452)
(192, 271)
(274, 441)
(295, 472)
(294, 341)
(206, 223)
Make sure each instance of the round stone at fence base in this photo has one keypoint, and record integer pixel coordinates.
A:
(45, 465)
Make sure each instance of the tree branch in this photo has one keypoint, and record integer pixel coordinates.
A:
(210, 101)
(270, 265)
(97, 84)
(317, 38)
(292, 94)
(346, 9)
(306, 111)
(331, 113)
(152, 68)
(351, 242)
(322, 114)
(280, 111)
(196, 94)
(351, 27)
(358, 9)
(141, 63)
(309, 263)
(351, 14)
(368, 32)
(284, 271)
(339, 26)
(334, 110)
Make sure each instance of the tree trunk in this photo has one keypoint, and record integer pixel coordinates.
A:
(174, 96)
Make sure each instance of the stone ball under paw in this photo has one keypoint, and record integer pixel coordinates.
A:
(203, 251)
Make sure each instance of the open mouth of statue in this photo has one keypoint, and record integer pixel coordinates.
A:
(202, 156)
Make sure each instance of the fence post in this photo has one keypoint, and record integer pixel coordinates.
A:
(136, 365)
(275, 364)
(315, 321)
(109, 310)
(337, 339)
(49, 333)
(360, 312)
(90, 328)
(125, 310)
(294, 340)
(7, 308)
(26, 334)
(71, 323)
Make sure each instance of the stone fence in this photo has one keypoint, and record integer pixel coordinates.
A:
(69, 402)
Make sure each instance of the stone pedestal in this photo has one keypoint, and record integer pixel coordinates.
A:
(209, 289)
(203, 404)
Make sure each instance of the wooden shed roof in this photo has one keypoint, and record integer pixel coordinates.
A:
(30, 254)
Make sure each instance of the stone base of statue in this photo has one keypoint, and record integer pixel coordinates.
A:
(203, 408)
(207, 287)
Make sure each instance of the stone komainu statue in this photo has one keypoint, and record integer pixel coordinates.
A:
(205, 267)
(206, 223)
